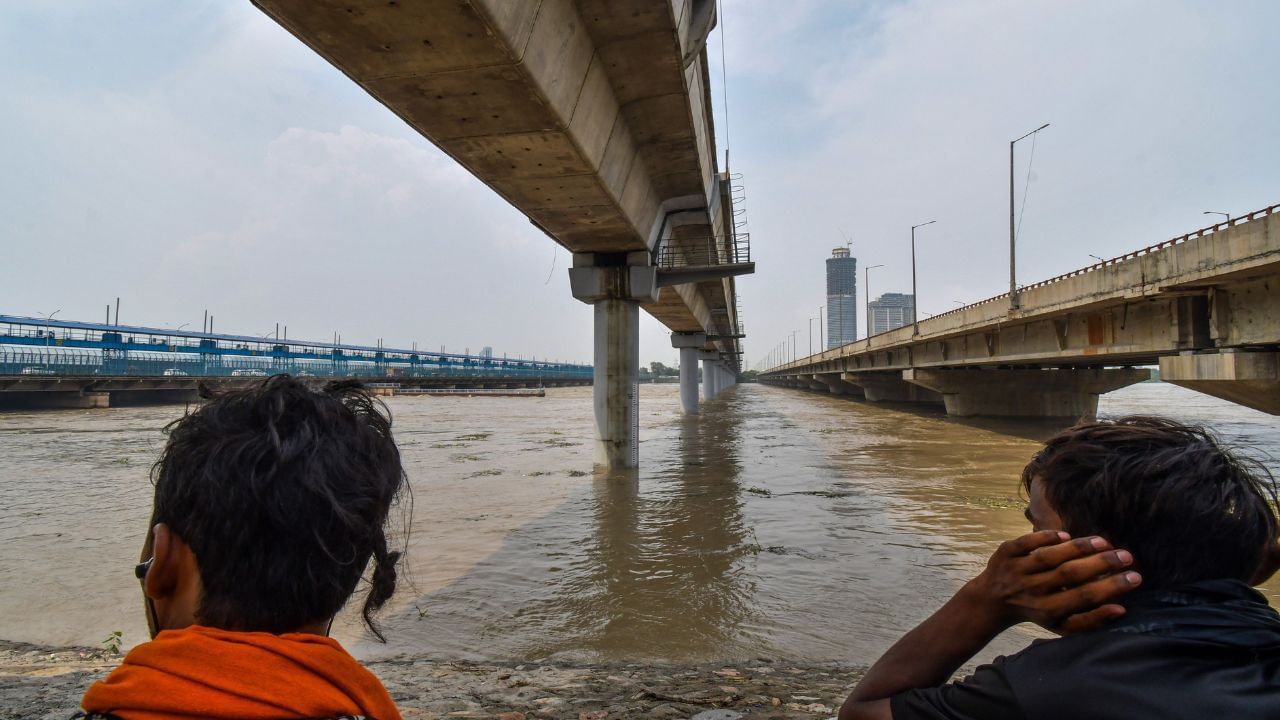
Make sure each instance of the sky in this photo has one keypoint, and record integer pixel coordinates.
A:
(195, 156)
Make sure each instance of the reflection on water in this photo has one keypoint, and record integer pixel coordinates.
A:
(777, 523)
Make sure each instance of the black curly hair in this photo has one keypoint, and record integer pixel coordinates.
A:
(283, 493)
(1187, 507)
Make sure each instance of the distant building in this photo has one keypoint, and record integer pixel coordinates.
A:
(842, 298)
(889, 311)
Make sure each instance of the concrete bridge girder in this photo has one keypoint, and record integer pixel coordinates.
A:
(1024, 393)
(889, 386)
(1251, 379)
(837, 386)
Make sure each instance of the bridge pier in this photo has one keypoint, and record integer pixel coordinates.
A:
(1024, 393)
(162, 396)
(837, 386)
(1251, 379)
(725, 377)
(615, 290)
(889, 386)
(709, 359)
(53, 400)
(688, 344)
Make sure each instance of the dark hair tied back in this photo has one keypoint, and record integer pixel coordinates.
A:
(284, 494)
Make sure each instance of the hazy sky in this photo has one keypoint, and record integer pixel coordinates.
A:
(194, 155)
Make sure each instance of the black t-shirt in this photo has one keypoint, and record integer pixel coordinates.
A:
(1208, 651)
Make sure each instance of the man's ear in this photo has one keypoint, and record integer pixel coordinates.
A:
(168, 553)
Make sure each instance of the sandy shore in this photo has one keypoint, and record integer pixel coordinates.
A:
(46, 683)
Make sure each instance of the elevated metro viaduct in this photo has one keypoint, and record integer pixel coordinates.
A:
(1205, 306)
(68, 364)
(593, 118)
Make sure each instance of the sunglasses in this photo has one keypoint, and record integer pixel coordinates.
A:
(140, 571)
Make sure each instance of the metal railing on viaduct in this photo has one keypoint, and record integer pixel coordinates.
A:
(57, 363)
(1205, 306)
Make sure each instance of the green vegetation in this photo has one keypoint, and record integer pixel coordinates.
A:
(113, 641)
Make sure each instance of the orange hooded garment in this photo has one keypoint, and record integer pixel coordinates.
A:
(201, 672)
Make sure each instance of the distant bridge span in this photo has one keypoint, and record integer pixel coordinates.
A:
(1205, 306)
(52, 363)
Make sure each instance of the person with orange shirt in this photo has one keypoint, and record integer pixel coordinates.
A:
(270, 505)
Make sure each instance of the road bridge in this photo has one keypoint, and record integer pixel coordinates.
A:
(593, 118)
(64, 363)
(1204, 306)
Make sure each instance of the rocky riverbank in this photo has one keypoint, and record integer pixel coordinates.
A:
(46, 683)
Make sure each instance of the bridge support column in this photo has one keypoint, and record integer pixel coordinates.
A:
(1024, 393)
(688, 344)
(836, 386)
(888, 386)
(1251, 379)
(615, 291)
(53, 400)
(709, 360)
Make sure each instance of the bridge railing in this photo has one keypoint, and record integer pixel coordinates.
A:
(1197, 234)
(35, 362)
(1202, 232)
(706, 251)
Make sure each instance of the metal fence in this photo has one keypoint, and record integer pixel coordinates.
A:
(705, 251)
(35, 362)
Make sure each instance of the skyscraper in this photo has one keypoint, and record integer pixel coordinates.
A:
(842, 298)
(890, 311)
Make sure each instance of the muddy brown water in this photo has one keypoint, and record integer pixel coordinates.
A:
(777, 523)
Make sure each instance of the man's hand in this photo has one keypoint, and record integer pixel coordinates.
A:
(1047, 578)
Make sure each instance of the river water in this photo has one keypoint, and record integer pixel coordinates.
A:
(778, 523)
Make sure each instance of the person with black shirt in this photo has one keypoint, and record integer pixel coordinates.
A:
(1148, 536)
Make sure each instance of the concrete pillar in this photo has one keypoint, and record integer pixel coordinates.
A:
(1251, 379)
(616, 291)
(709, 360)
(689, 344)
(888, 386)
(161, 396)
(1024, 393)
(836, 386)
(53, 400)
(617, 382)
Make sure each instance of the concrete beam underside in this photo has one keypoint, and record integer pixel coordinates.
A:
(1251, 379)
(890, 387)
(1024, 393)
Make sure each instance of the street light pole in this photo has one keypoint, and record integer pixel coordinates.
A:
(1216, 212)
(866, 288)
(47, 334)
(822, 346)
(915, 297)
(1013, 282)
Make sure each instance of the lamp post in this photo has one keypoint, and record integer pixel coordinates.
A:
(1095, 257)
(822, 346)
(1013, 283)
(793, 343)
(47, 334)
(1216, 212)
(915, 298)
(866, 288)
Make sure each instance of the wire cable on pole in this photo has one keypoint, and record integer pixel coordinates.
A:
(724, 84)
(1026, 185)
